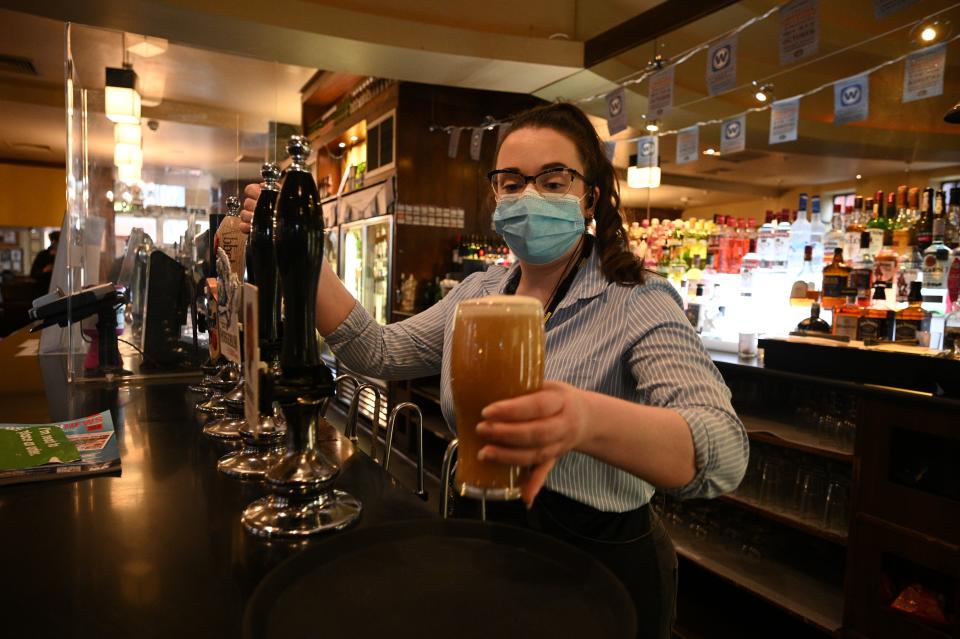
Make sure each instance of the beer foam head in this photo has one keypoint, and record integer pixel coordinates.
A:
(501, 305)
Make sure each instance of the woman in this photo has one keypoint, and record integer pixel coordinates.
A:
(634, 402)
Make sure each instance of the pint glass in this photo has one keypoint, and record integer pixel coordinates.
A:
(497, 353)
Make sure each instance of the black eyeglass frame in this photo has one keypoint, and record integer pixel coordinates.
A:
(527, 179)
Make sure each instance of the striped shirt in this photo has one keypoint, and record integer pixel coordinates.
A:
(630, 342)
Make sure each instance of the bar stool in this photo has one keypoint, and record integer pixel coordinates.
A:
(388, 444)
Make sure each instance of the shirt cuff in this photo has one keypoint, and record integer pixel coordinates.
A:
(703, 456)
(355, 323)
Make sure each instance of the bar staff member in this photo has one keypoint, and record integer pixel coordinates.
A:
(634, 404)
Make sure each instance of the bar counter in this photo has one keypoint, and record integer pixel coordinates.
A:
(158, 550)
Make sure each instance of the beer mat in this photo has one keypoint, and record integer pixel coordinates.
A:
(433, 578)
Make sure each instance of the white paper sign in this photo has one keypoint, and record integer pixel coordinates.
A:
(733, 134)
(229, 293)
(648, 150)
(476, 141)
(722, 66)
(616, 111)
(688, 144)
(784, 117)
(661, 93)
(883, 8)
(799, 30)
(851, 99)
(923, 73)
(454, 144)
(251, 356)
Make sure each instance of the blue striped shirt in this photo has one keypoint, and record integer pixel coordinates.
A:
(630, 342)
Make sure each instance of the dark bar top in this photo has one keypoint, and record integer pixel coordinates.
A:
(158, 551)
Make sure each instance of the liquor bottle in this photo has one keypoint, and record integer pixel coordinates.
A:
(262, 263)
(800, 232)
(834, 237)
(231, 239)
(924, 225)
(781, 243)
(814, 323)
(878, 319)
(908, 273)
(805, 286)
(695, 308)
(852, 230)
(951, 332)
(936, 265)
(861, 277)
(713, 242)
(912, 322)
(877, 225)
(951, 230)
(846, 319)
(834, 280)
(885, 265)
(903, 227)
(953, 277)
(694, 275)
(817, 230)
(765, 241)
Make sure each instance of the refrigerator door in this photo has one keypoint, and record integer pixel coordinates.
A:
(366, 248)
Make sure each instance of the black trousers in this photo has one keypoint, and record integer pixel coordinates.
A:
(633, 545)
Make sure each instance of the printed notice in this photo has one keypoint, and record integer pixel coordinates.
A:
(722, 66)
(923, 73)
(228, 308)
(799, 30)
(784, 117)
(851, 99)
(616, 111)
(733, 134)
(883, 8)
(648, 150)
(661, 93)
(688, 144)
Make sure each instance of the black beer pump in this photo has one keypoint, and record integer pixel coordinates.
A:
(303, 501)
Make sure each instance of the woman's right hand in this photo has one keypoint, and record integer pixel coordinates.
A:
(251, 194)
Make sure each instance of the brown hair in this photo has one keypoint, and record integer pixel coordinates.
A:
(618, 264)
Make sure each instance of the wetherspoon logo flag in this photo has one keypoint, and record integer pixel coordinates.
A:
(454, 143)
(851, 99)
(923, 73)
(476, 142)
(616, 111)
(784, 117)
(688, 144)
(660, 97)
(733, 134)
(799, 30)
(648, 150)
(722, 65)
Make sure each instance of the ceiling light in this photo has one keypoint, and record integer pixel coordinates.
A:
(127, 134)
(859, 176)
(764, 91)
(490, 128)
(110, 196)
(354, 138)
(929, 34)
(144, 46)
(710, 152)
(652, 126)
(121, 100)
(645, 177)
(342, 145)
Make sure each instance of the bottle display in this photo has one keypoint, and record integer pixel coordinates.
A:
(846, 319)
(861, 277)
(913, 322)
(835, 276)
(877, 321)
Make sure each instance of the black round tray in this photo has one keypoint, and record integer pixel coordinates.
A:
(434, 578)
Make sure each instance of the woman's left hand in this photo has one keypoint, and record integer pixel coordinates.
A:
(535, 430)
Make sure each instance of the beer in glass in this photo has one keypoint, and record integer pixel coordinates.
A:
(497, 353)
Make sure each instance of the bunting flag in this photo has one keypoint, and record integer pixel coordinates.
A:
(688, 144)
(722, 66)
(476, 141)
(733, 134)
(648, 151)
(611, 149)
(454, 143)
(784, 118)
(883, 8)
(616, 111)
(660, 95)
(502, 131)
(799, 30)
(851, 99)
(923, 73)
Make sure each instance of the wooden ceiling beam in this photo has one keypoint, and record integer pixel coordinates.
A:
(652, 23)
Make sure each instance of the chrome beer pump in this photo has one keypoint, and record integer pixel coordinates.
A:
(303, 501)
(263, 441)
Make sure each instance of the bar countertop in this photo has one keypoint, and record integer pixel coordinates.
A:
(157, 551)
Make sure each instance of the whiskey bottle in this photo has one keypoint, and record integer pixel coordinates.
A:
(878, 319)
(924, 226)
(835, 277)
(262, 262)
(814, 323)
(912, 322)
(846, 319)
(862, 274)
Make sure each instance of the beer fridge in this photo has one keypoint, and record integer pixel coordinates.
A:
(366, 248)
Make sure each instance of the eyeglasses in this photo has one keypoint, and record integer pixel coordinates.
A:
(550, 183)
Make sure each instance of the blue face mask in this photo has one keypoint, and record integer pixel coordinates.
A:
(539, 230)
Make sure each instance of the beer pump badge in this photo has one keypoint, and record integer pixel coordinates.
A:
(228, 307)
(251, 356)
